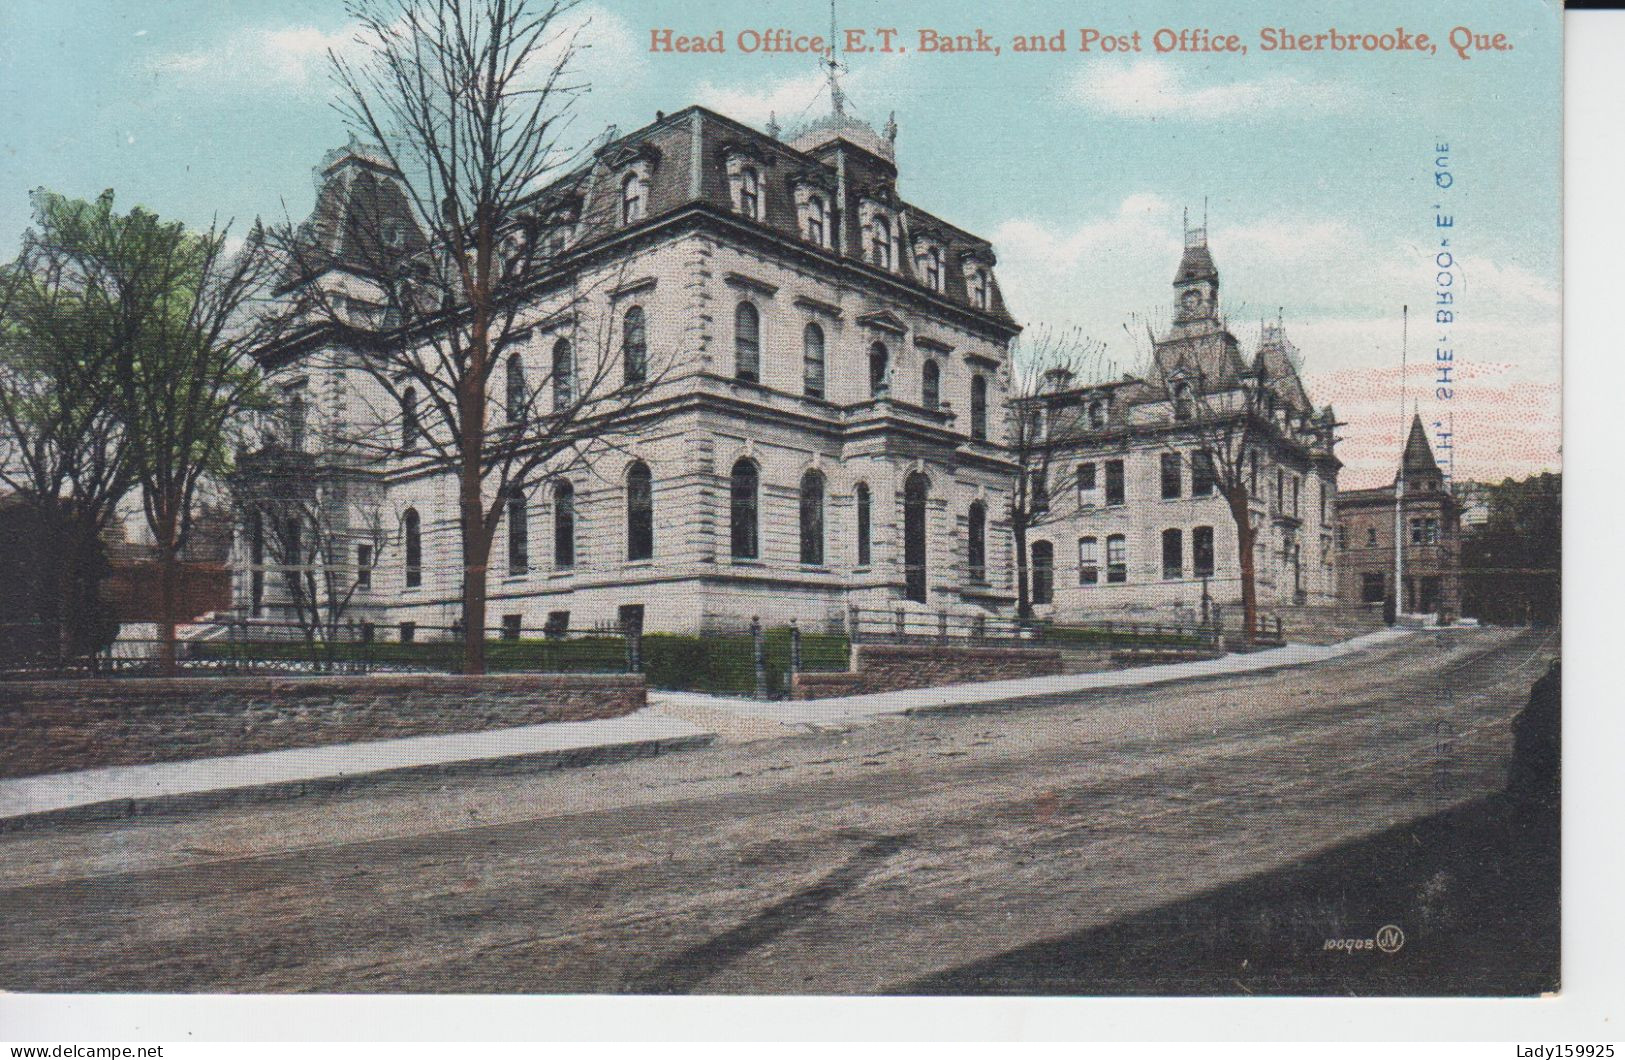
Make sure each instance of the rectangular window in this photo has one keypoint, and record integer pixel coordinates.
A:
(409, 632)
(1114, 482)
(1372, 588)
(1088, 561)
(1296, 490)
(1204, 479)
(1173, 555)
(1088, 497)
(1280, 490)
(1117, 558)
(1202, 552)
(363, 566)
(1416, 530)
(511, 625)
(1342, 537)
(1172, 476)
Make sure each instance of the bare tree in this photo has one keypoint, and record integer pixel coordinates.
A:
(1235, 419)
(1044, 424)
(469, 103)
(325, 530)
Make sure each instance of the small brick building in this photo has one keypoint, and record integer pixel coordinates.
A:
(1431, 537)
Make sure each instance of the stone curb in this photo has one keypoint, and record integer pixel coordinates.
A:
(283, 790)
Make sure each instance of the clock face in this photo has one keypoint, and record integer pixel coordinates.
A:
(1192, 299)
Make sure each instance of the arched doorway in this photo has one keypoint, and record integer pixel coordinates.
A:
(915, 489)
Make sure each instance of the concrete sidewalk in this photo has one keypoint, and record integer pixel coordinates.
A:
(161, 787)
(673, 721)
(851, 710)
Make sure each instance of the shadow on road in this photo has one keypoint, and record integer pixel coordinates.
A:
(686, 971)
(1474, 889)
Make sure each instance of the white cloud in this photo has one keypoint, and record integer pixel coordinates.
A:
(296, 57)
(289, 57)
(1152, 88)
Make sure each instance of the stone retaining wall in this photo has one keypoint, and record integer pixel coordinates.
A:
(895, 667)
(72, 724)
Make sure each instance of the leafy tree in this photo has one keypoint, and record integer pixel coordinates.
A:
(1512, 566)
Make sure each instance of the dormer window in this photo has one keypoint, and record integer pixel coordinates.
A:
(1182, 401)
(880, 242)
(1097, 413)
(817, 221)
(750, 193)
(932, 261)
(631, 199)
(980, 288)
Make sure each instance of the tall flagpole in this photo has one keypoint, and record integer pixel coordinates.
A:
(1399, 483)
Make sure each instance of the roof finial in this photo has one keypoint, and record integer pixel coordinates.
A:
(837, 98)
(891, 127)
(773, 129)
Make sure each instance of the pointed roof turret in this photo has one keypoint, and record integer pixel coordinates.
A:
(1418, 458)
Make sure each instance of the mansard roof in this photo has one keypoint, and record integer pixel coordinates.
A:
(1276, 363)
(686, 158)
(1196, 264)
(362, 216)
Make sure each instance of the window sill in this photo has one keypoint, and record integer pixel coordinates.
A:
(559, 573)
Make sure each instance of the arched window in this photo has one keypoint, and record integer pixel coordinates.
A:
(518, 532)
(747, 343)
(1202, 552)
(816, 220)
(564, 526)
(563, 375)
(879, 366)
(1173, 554)
(635, 346)
(631, 199)
(518, 397)
(411, 430)
(931, 384)
(1088, 561)
(980, 289)
(256, 565)
(812, 361)
(863, 524)
(412, 530)
(976, 543)
(880, 242)
(1097, 414)
(296, 419)
(812, 518)
(744, 487)
(916, 490)
(1043, 572)
(978, 407)
(640, 513)
(933, 268)
(750, 194)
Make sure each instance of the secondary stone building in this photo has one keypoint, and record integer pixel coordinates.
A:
(1137, 526)
(1427, 521)
(827, 434)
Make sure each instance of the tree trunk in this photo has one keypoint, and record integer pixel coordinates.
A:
(1245, 547)
(476, 541)
(1024, 604)
(168, 558)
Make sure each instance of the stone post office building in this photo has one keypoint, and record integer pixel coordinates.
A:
(829, 432)
(828, 427)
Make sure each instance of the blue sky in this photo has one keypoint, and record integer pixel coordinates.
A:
(1317, 167)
